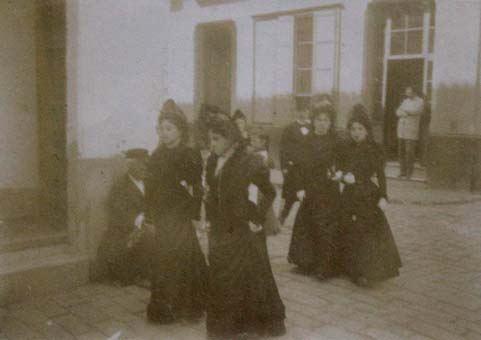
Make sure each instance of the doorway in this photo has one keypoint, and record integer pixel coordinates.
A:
(215, 60)
(400, 74)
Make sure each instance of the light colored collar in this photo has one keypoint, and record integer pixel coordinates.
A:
(303, 122)
(224, 158)
(138, 183)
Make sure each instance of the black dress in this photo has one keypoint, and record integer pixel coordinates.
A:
(179, 267)
(291, 154)
(243, 295)
(370, 250)
(315, 237)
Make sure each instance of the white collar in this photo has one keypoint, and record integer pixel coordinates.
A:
(223, 159)
(138, 183)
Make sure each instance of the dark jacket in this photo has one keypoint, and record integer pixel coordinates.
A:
(291, 140)
(169, 169)
(228, 203)
(126, 202)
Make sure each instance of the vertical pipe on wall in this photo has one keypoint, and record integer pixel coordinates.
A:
(476, 115)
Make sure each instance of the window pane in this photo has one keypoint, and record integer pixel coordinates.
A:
(397, 21)
(415, 20)
(304, 28)
(303, 81)
(304, 55)
(397, 43)
(415, 42)
(430, 71)
(431, 40)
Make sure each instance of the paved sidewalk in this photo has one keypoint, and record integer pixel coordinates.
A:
(437, 296)
(401, 191)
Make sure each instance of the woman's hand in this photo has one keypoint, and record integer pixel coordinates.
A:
(255, 228)
(382, 204)
(301, 194)
(349, 178)
(337, 176)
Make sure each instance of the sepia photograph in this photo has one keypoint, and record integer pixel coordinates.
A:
(240, 169)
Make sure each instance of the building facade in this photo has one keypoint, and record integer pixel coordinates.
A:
(83, 80)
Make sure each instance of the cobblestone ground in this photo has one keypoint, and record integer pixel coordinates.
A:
(437, 296)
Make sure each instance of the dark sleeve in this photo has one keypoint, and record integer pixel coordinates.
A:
(380, 164)
(150, 184)
(120, 214)
(340, 155)
(195, 169)
(260, 177)
(209, 179)
(283, 148)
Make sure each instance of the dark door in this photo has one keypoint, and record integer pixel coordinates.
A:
(400, 74)
(217, 66)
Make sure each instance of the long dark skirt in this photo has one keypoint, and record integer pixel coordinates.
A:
(315, 241)
(370, 250)
(243, 295)
(179, 280)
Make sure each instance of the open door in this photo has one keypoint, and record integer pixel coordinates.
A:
(400, 74)
(215, 65)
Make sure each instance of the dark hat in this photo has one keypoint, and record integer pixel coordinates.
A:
(238, 114)
(170, 109)
(172, 112)
(138, 153)
(225, 127)
(360, 115)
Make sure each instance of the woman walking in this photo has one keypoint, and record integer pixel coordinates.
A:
(371, 254)
(243, 296)
(174, 196)
(314, 246)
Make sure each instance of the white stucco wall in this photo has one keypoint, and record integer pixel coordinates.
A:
(117, 56)
(456, 63)
(182, 55)
(18, 102)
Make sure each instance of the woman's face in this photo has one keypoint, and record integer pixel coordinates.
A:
(358, 132)
(218, 143)
(322, 124)
(241, 124)
(169, 133)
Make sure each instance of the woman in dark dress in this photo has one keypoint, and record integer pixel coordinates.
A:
(240, 120)
(370, 251)
(174, 196)
(243, 296)
(314, 246)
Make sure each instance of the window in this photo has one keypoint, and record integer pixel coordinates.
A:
(295, 56)
(315, 55)
(303, 26)
(407, 34)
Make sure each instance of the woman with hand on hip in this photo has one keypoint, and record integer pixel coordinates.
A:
(174, 196)
(243, 296)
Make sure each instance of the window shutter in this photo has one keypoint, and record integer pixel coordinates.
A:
(284, 67)
(265, 70)
(325, 50)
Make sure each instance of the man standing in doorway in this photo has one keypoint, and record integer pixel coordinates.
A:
(409, 114)
(291, 153)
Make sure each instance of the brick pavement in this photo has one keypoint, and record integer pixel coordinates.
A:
(437, 296)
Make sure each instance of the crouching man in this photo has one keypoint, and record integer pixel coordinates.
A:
(124, 249)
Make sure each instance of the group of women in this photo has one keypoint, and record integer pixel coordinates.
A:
(341, 227)
(237, 289)
(335, 231)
